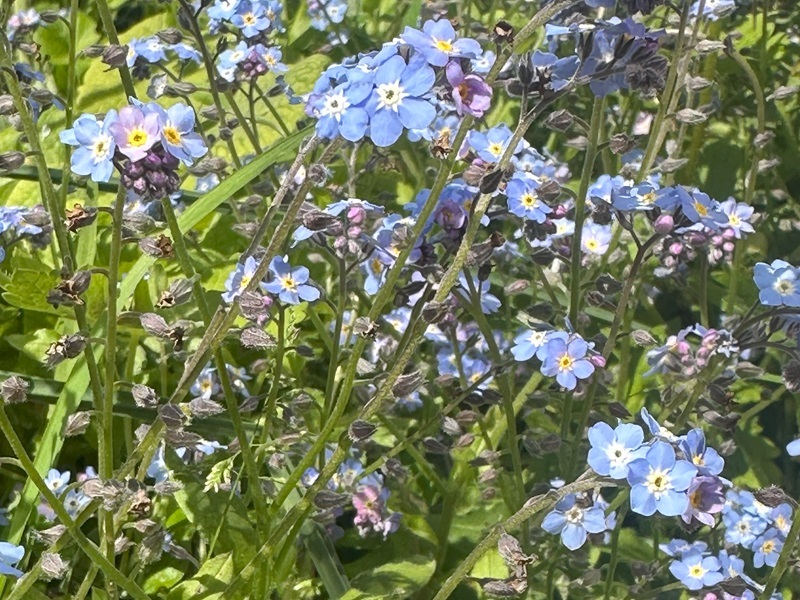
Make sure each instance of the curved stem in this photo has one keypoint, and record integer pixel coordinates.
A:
(532, 507)
(84, 543)
(598, 111)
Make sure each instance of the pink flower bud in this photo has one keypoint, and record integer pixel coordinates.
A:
(664, 224)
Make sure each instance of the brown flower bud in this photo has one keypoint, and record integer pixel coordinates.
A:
(77, 424)
(115, 56)
(11, 161)
(68, 346)
(144, 396)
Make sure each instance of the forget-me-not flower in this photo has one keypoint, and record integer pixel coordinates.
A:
(612, 450)
(574, 522)
(659, 482)
(290, 284)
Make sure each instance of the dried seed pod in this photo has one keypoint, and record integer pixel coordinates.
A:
(203, 408)
(255, 337)
(78, 217)
(178, 293)
(14, 390)
(68, 292)
(11, 161)
(53, 566)
(144, 396)
(160, 247)
(77, 423)
(407, 384)
(68, 346)
(114, 55)
(361, 430)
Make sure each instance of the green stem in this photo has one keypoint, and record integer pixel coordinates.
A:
(272, 399)
(532, 507)
(84, 543)
(783, 560)
(612, 563)
(232, 405)
(106, 429)
(598, 113)
(113, 38)
(703, 289)
(752, 175)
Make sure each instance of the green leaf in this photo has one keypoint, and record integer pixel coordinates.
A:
(162, 580)
(393, 580)
(210, 581)
(329, 567)
(211, 512)
(211, 201)
(47, 450)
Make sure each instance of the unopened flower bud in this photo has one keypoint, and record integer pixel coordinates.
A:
(664, 224)
(11, 161)
(115, 56)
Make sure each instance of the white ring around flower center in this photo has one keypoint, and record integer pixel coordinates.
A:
(335, 105)
(390, 95)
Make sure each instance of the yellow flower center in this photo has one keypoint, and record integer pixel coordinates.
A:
(528, 201)
(246, 279)
(734, 220)
(648, 198)
(496, 148)
(137, 137)
(701, 210)
(591, 244)
(698, 460)
(768, 547)
(443, 45)
(657, 482)
(289, 282)
(172, 135)
(697, 571)
(249, 18)
(565, 362)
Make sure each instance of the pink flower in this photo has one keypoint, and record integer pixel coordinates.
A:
(471, 93)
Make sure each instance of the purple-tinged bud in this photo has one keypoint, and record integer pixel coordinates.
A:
(676, 248)
(664, 224)
(728, 246)
(695, 238)
(560, 211)
(356, 215)
(597, 360)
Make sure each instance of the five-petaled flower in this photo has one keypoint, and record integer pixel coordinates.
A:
(290, 284)
(659, 482)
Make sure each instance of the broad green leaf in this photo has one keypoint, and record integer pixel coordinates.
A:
(162, 580)
(211, 511)
(211, 201)
(210, 581)
(397, 580)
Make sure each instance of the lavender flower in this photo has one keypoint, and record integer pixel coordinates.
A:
(471, 94)
(134, 132)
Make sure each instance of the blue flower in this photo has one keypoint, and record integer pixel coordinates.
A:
(696, 572)
(491, 145)
(523, 197)
(659, 482)
(223, 10)
(707, 460)
(95, 153)
(271, 57)
(10, 555)
(251, 18)
(697, 206)
(782, 518)
(767, 549)
(239, 279)
(742, 528)
(635, 197)
(574, 522)
(612, 450)
(56, 481)
(714, 10)
(732, 565)
(489, 303)
(777, 283)
(679, 547)
(559, 71)
(656, 429)
(533, 342)
(228, 60)
(206, 384)
(290, 284)
(186, 52)
(151, 49)
(375, 267)
(340, 111)
(400, 99)
(177, 132)
(595, 239)
(566, 360)
(739, 215)
(437, 42)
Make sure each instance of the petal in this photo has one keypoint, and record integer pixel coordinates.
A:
(672, 503)
(385, 128)
(661, 456)
(642, 501)
(682, 474)
(573, 536)
(630, 435)
(554, 522)
(601, 435)
(416, 114)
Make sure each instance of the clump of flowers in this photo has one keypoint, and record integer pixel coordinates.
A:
(144, 143)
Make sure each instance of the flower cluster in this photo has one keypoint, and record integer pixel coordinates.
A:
(382, 94)
(145, 143)
(18, 223)
(679, 357)
(74, 499)
(567, 357)
(288, 284)
(366, 493)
